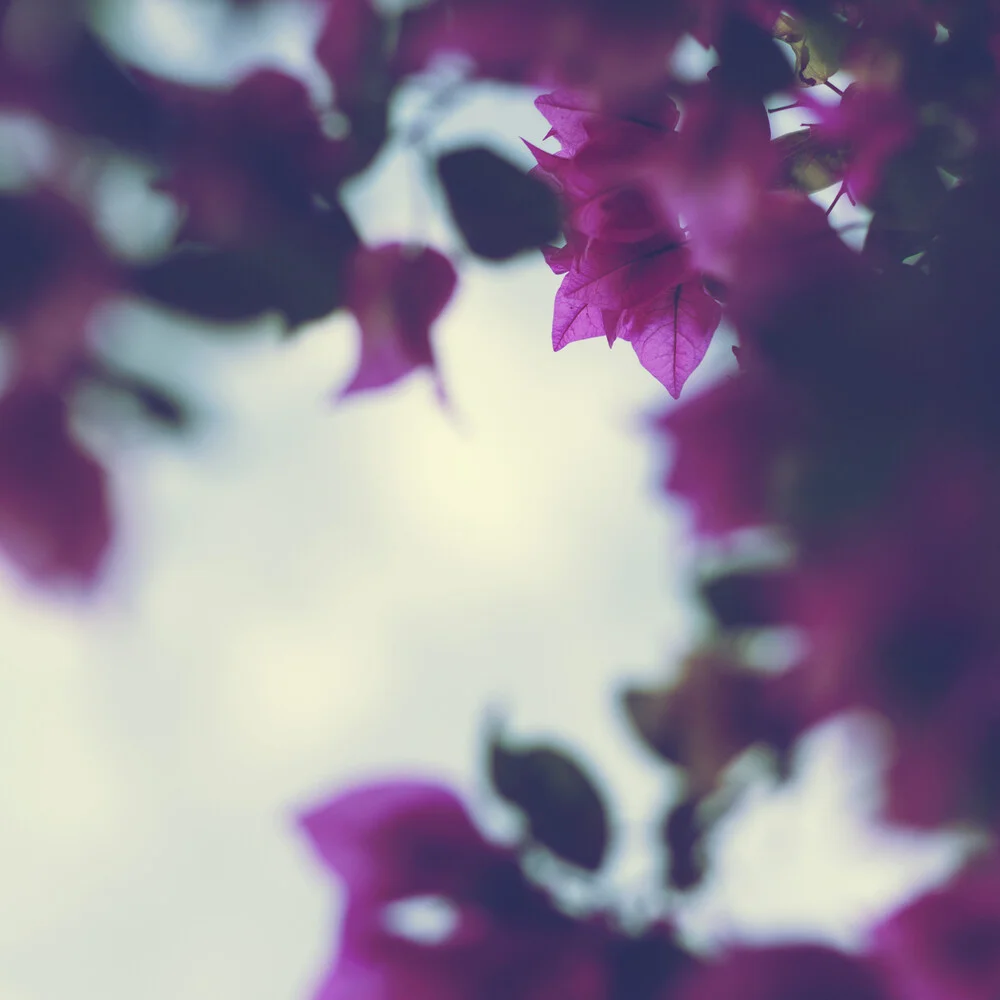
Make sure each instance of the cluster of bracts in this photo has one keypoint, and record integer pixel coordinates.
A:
(858, 445)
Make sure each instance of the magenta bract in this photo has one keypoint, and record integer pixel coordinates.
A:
(55, 525)
(395, 293)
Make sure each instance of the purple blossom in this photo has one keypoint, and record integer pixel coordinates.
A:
(413, 843)
(55, 524)
(945, 945)
(395, 293)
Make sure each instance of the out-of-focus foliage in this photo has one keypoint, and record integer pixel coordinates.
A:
(862, 429)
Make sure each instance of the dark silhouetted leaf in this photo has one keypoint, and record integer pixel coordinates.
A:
(499, 209)
(912, 190)
(104, 99)
(747, 600)
(564, 810)
(751, 64)
(888, 242)
(298, 273)
(219, 285)
(907, 207)
(683, 834)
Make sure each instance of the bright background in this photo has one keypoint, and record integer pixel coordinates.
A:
(306, 595)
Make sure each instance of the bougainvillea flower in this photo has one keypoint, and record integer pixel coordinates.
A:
(791, 972)
(625, 275)
(731, 445)
(626, 268)
(670, 333)
(644, 293)
(798, 295)
(569, 112)
(66, 75)
(602, 200)
(399, 839)
(395, 292)
(411, 844)
(244, 157)
(716, 173)
(55, 272)
(577, 118)
(956, 343)
(618, 49)
(601, 170)
(54, 520)
(505, 41)
(256, 178)
(897, 604)
(901, 607)
(947, 768)
(351, 49)
(946, 944)
(868, 126)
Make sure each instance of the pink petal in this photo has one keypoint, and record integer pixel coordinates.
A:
(397, 839)
(396, 293)
(54, 518)
(670, 334)
(568, 112)
(620, 276)
(349, 47)
(578, 321)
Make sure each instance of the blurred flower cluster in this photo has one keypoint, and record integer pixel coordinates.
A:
(843, 484)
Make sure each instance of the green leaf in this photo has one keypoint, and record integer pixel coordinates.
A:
(499, 209)
(651, 714)
(818, 43)
(701, 723)
(226, 286)
(564, 810)
(807, 164)
(683, 835)
(296, 271)
(907, 207)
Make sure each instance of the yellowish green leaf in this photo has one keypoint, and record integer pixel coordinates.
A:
(818, 43)
(807, 164)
